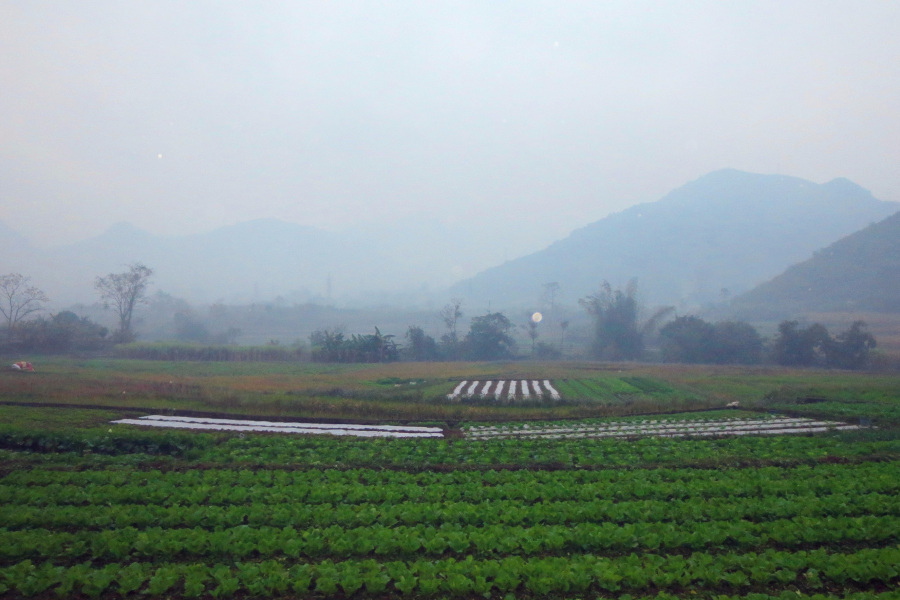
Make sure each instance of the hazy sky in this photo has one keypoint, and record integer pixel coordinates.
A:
(519, 120)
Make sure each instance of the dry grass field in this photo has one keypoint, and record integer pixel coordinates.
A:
(418, 391)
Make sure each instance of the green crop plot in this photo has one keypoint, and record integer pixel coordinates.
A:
(90, 509)
(143, 514)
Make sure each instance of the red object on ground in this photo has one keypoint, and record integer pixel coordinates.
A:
(23, 366)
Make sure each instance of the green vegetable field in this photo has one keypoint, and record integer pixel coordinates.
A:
(89, 509)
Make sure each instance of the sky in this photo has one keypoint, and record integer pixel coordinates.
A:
(514, 121)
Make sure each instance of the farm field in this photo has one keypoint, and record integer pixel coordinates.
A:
(405, 392)
(92, 509)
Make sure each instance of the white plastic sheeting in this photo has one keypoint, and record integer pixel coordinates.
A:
(457, 390)
(526, 393)
(660, 428)
(553, 393)
(527, 389)
(198, 423)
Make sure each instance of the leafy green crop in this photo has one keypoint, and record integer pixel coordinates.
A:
(225, 488)
(242, 542)
(579, 574)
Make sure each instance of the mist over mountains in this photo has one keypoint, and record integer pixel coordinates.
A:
(258, 261)
(728, 230)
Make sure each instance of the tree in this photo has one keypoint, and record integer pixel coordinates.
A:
(547, 351)
(688, 340)
(693, 340)
(801, 347)
(551, 291)
(737, 342)
(563, 325)
(813, 346)
(330, 346)
(616, 334)
(124, 291)
(18, 299)
(532, 329)
(488, 338)
(850, 350)
(422, 346)
(450, 315)
(188, 328)
(62, 332)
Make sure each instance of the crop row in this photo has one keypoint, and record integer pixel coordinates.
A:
(501, 512)
(540, 576)
(226, 448)
(318, 477)
(608, 453)
(245, 542)
(166, 494)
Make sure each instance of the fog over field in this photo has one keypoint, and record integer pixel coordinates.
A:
(362, 154)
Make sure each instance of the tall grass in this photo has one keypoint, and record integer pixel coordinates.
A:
(193, 352)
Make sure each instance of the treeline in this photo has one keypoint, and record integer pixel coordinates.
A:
(693, 340)
(618, 334)
(62, 333)
(331, 346)
(488, 339)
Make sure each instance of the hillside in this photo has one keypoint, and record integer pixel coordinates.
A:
(858, 273)
(728, 229)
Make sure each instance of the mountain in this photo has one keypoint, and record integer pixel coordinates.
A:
(254, 261)
(17, 255)
(726, 230)
(858, 273)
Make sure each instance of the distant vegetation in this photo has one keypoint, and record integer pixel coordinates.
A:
(58, 334)
(197, 352)
(813, 346)
(611, 329)
(617, 333)
(332, 346)
(693, 340)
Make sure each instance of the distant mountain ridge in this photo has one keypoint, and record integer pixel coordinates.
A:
(726, 230)
(859, 273)
(253, 261)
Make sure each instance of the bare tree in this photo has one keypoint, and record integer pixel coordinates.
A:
(451, 314)
(551, 291)
(18, 299)
(532, 329)
(124, 291)
(563, 325)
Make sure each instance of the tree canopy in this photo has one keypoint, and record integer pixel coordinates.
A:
(615, 312)
(692, 340)
(124, 291)
(18, 299)
(488, 338)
